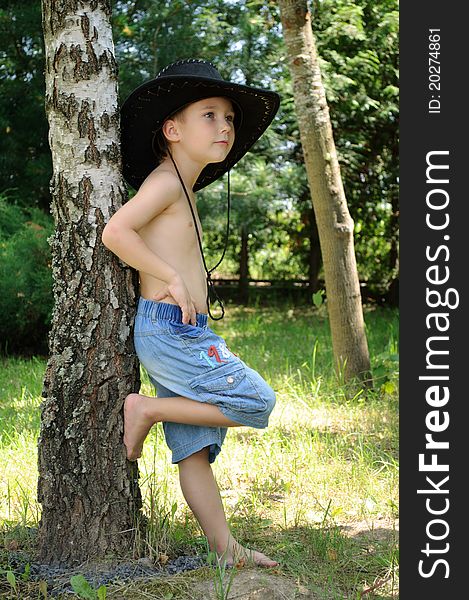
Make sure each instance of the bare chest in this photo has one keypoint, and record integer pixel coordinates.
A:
(174, 228)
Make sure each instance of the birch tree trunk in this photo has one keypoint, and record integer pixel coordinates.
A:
(334, 223)
(88, 490)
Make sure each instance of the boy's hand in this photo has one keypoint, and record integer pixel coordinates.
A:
(177, 290)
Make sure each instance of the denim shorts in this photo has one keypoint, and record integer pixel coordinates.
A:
(193, 361)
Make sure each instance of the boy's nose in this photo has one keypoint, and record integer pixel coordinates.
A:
(226, 127)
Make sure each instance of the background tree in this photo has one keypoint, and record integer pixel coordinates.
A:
(335, 225)
(86, 486)
(358, 47)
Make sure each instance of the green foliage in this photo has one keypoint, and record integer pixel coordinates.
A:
(318, 298)
(222, 581)
(358, 45)
(25, 159)
(26, 573)
(84, 590)
(11, 580)
(25, 278)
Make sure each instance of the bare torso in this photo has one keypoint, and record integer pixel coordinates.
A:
(172, 236)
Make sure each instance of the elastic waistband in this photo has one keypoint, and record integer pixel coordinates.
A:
(164, 310)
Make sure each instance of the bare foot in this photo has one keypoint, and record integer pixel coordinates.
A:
(136, 425)
(240, 556)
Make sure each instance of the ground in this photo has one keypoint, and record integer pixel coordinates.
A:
(255, 584)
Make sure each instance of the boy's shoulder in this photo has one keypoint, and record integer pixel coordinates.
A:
(161, 181)
(160, 190)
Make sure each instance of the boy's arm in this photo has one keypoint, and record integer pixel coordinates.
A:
(121, 236)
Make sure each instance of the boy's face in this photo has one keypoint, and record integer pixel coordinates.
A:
(206, 129)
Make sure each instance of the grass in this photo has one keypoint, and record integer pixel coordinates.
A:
(317, 490)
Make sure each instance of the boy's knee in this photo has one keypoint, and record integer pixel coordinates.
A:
(239, 391)
(266, 395)
(269, 400)
(200, 456)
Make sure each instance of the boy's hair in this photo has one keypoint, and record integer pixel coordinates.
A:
(160, 142)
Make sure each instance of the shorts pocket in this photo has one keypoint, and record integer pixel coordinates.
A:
(229, 386)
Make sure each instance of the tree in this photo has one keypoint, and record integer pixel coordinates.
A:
(358, 45)
(335, 226)
(87, 488)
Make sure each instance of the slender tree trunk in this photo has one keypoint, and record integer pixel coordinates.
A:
(88, 490)
(334, 223)
(244, 266)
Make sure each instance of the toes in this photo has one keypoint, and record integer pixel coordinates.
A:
(264, 561)
(252, 557)
(132, 454)
(268, 563)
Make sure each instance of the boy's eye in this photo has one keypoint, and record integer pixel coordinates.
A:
(212, 114)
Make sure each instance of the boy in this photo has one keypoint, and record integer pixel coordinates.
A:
(198, 126)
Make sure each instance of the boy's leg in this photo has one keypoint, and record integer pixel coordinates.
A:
(203, 497)
(142, 412)
(247, 404)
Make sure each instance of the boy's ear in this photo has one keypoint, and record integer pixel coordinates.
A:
(170, 130)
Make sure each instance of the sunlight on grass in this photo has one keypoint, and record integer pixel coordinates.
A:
(307, 490)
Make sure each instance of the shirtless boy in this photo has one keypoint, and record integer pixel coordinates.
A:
(198, 126)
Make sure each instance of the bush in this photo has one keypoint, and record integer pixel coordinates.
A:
(25, 279)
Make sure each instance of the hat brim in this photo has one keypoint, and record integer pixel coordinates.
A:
(145, 110)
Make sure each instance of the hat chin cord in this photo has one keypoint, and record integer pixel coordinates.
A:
(210, 287)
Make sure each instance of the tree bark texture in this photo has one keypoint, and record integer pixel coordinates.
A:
(88, 490)
(334, 222)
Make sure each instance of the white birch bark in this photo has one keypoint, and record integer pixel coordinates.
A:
(86, 486)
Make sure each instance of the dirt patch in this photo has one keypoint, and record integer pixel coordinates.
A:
(379, 530)
(255, 584)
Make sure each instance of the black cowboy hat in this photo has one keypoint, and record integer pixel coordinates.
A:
(145, 110)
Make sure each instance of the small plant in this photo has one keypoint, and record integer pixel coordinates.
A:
(43, 589)
(12, 581)
(26, 573)
(318, 298)
(222, 587)
(84, 590)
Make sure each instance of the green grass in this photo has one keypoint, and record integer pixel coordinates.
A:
(317, 490)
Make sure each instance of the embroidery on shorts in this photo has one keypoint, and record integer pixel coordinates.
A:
(224, 350)
(212, 351)
(203, 356)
